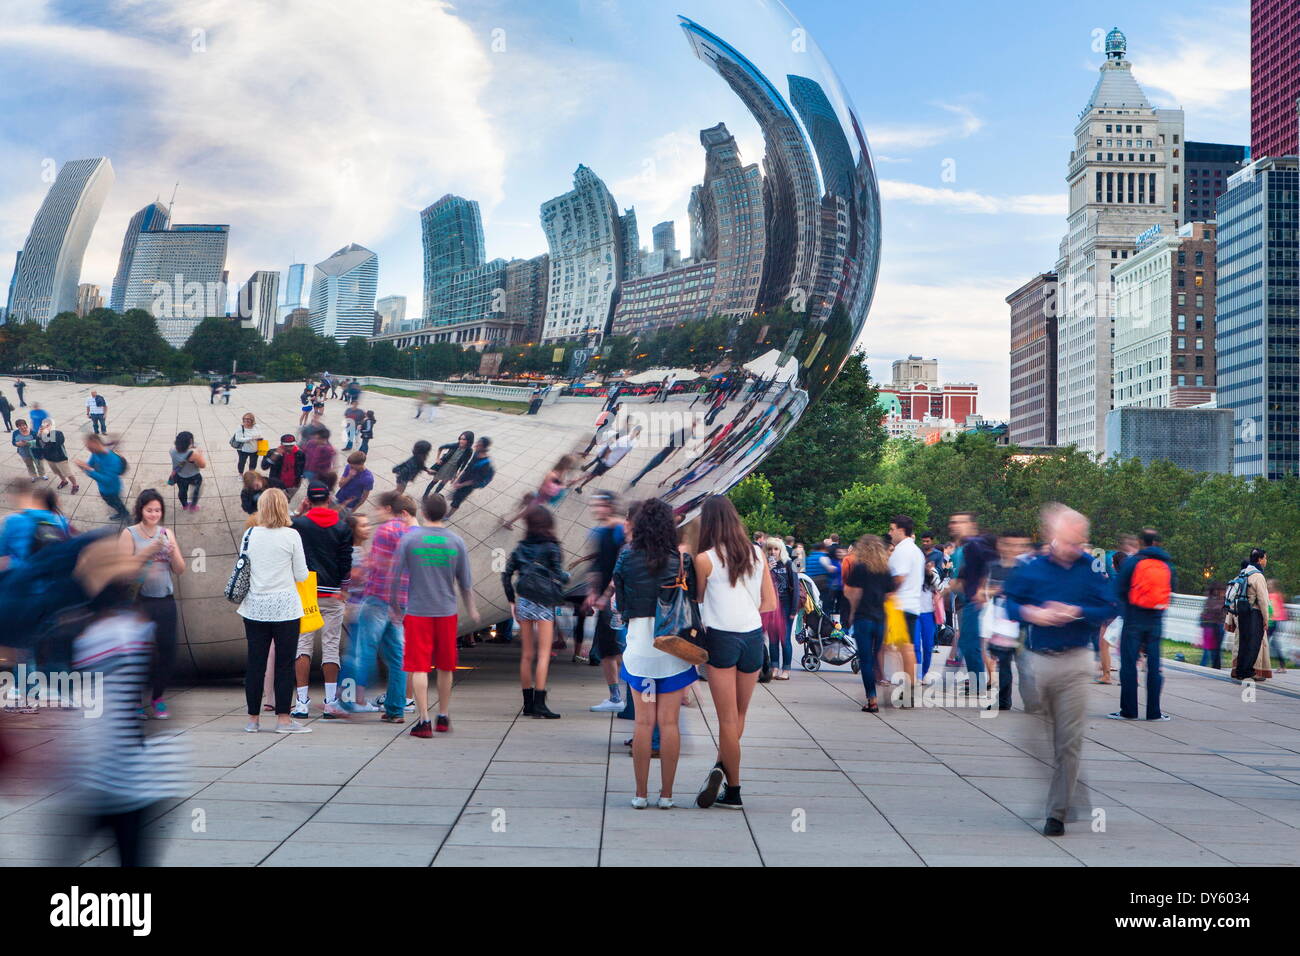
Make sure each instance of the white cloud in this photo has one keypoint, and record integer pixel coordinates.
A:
(961, 125)
(969, 201)
(1205, 70)
(965, 324)
(301, 123)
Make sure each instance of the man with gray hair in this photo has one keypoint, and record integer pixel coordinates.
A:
(1064, 598)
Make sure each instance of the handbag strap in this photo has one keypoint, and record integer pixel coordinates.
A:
(243, 548)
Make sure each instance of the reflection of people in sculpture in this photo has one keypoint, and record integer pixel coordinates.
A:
(554, 486)
(606, 417)
(451, 461)
(477, 474)
(610, 454)
(675, 443)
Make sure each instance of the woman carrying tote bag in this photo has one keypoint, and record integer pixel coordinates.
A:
(734, 590)
(647, 570)
(272, 608)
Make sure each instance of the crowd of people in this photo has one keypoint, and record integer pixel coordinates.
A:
(362, 578)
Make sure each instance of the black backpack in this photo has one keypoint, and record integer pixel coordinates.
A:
(47, 533)
(126, 465)
(1236, 599)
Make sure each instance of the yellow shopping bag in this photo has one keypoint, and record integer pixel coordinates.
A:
(263, 446)
(311, 616)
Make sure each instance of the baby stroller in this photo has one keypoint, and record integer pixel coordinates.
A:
(816, 631)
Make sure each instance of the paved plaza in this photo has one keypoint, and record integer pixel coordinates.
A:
(1219, 785)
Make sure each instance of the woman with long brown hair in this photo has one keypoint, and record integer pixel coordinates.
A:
(866, 588)
(734, 591)
(539, 563)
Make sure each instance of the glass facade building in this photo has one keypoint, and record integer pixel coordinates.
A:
(343, 291)
(1258, 334)
(452, 232)
(152, 218)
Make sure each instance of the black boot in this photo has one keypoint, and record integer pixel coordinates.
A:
(530, 696)
(539, 706)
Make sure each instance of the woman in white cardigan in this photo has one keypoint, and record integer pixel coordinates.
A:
(272, 609)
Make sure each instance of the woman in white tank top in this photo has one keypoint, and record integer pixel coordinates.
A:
(734, 590)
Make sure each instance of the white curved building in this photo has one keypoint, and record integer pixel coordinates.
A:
(343, 289)
(50, 268)
(585, 235)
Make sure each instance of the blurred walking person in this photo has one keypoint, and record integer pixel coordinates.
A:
(866, 589)
(1146, 581)
(1064, 600)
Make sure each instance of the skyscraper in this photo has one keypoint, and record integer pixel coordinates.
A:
(452, 232)
(526, 285)
(178, 275)
(88, 299)
(1033, 362)
(1206, 168)
(152, 218)
(665, 241)
(392, 312)
(791, 187)
(1274, 77)
(293, 287)
(343, 294)
(584, 234)
(1121, 182)
(732, 224)
(630, 266)
(50, 269)
(1258, 322)
(259, 302)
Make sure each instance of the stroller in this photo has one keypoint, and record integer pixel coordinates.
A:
(817, 632)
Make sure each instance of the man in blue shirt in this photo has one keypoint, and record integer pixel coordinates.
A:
(1064, 597)
(105, 467)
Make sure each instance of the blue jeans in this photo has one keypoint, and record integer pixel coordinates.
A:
(925, 628)
(869, 636)
(1135, 637)
(372, 631)
(783, 650)
(969, 643)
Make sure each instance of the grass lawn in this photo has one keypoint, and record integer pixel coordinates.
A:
(469, 401)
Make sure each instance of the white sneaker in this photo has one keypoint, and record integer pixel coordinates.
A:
(608, 706)
(292, 728)
(369, 707)
(301, 709)
(251, 727)
(383, 699)
(640, 803)
(666, 803)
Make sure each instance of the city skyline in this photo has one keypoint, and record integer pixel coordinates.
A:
(954, 244)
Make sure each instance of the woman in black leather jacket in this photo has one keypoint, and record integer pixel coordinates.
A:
(647, 570)
(539, 562)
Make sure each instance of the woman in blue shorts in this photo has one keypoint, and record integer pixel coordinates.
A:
(648, 566)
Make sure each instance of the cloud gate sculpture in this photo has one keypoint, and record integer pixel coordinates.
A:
(770, 167)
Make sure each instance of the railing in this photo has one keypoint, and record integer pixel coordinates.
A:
(502, 393)
(1183, 624)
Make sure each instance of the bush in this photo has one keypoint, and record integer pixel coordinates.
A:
(867, 509)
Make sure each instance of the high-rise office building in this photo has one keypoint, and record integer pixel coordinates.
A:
(259, 303)
(584, 235)
(452, 233)
(13, 280)
(179, 277)
(527, 281)
(1274, 77)
(392, 312)
(1258, 321)
(658, 301)
(732, 224)
(88, 299)
(152, 218)
(50, 269)
(1206, 168)
(1033, 362)
(630, 264)
(665, 241)
(1124, 177)
(791, 189)
(1164, 321)
(343, 294)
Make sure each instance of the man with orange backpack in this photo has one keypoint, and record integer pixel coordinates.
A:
(1145, 584)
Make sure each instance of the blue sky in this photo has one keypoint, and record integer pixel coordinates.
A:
(307, 126)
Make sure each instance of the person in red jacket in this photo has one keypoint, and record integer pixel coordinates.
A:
(327, 544)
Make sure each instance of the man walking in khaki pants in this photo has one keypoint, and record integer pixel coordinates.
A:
(1065, 599)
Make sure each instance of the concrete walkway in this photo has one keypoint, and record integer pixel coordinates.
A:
(823, 783)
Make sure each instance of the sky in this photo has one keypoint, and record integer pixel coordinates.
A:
(307, 125)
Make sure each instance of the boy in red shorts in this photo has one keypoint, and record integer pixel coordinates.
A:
(437, 564)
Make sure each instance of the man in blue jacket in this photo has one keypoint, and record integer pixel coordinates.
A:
(1064, 598)
(105, 467)
(1142, 591)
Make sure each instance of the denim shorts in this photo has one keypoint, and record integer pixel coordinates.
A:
(742, 650)
(526, 610)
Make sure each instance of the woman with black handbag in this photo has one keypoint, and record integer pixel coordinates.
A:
(653, 584)
(539, 562)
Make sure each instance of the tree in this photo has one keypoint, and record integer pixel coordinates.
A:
(754, 500)
(385, 359)
(137, 343)
(868, 509)
(178, 367)
(837, 442)
(286, 368)
(21, 344)
(217, 342)
(356, 355)
(317, 352)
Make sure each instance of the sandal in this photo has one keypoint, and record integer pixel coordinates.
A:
(871, 707)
